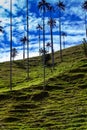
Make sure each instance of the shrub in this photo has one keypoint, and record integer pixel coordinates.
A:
(84, 42)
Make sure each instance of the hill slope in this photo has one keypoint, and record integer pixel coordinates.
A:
(63, 104)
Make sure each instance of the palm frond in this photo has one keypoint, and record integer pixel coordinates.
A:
(84, 6)
(64, 34)
(44, 4)
(52, 22)
(24, 39)
(61, 5)
(39, 27)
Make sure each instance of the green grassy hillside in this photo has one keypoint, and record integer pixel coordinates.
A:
(61, 106)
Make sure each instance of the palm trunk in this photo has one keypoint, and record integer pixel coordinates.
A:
(60, 39)
(23, 51)
(10, 45)
(85, 25)
(39, 42)
(63, 42)
(44, 45)
(48, 49)
(52, 51)
(27, 42)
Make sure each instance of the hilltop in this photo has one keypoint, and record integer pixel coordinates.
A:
(61, 106)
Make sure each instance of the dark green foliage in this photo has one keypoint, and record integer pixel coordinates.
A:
(40, 96)
(4, 97)
(14, 53)
(11, 119)
(47, 59)
(82, 86)
(84, 46)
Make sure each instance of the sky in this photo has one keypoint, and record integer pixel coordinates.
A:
(72, 24)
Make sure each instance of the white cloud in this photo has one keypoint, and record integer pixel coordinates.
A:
(75, 29)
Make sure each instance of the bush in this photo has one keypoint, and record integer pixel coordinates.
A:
(84, 42)
(47, 58)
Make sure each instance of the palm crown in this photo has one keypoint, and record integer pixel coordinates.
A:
(52, 22)
(43, 5)
(64, 34)
(84, 6)
(24, 39)
(61, 5)
(39, 27)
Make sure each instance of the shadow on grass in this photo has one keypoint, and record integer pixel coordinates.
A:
(82, 86)
(5, 96)
(25, 106)
(11, 119)
(40, 96)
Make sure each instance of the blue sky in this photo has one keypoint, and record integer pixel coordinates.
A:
(72, 24)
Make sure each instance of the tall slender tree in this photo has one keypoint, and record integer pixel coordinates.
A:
(64, 35)
(61, 7)
(43, 5)
(48, 45)
(84, 6)
(14, 52)
(27, 7)
(23, 40)
(39, 27)
(84, 46)
(52, 23)
(10, 45)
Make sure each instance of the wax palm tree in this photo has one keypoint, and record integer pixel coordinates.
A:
(43, 5)
(84, 6)
(23, 40)
(64, 35)
(48, 45)
(52, 23)
(39, 27)
(27, 7)
(42, 51)
(47, 56)
(10, 44)
(61, 7)
(14, 53)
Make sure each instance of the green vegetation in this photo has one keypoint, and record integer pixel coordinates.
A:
(84, 46)
(61, 106)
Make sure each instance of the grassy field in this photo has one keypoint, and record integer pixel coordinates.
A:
(61, 106)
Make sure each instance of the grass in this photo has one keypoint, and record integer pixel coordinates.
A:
(61, 106)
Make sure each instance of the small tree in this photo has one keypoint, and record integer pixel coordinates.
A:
(39, 28)
(14, 53)
(64, 35)
(48, 45)
(47, 56)
(84, 42)
(24, 40)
